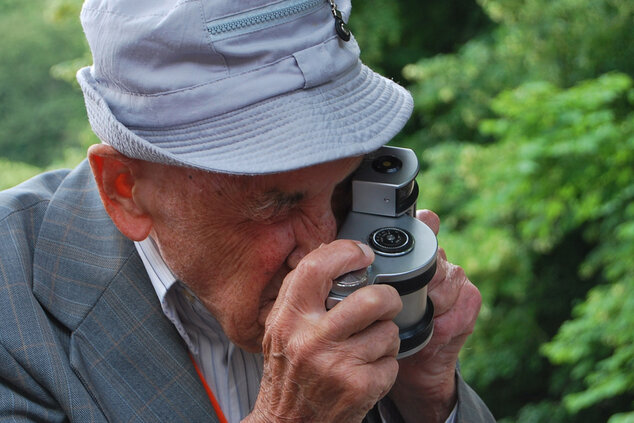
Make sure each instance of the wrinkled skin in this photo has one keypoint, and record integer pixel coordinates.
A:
(259, 252)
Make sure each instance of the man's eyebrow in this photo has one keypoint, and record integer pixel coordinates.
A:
(272, 203)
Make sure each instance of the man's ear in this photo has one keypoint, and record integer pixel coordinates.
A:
(115, 176)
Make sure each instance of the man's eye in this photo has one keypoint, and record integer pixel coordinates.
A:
(273, 206)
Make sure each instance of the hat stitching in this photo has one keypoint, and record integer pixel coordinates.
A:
(226, 137)
(187, 142)
(202, 148)
(204, 84)
(209, 43)
(143, 131)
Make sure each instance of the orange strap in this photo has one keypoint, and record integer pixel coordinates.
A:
(210, 394)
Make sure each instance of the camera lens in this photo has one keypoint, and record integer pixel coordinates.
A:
(391, 241)
(387, 164)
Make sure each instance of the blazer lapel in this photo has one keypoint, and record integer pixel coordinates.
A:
(133, 359)
(123, 349)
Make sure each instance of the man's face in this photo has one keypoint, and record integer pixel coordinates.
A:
(233, 239)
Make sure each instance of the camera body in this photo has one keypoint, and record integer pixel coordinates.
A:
(384, 193)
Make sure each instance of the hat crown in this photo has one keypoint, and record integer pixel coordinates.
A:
(151, 47)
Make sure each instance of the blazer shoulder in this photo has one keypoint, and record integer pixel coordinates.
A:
(24, 200)
(471, 408)
(22, 209)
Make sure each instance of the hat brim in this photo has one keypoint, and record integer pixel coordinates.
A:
(353, 115)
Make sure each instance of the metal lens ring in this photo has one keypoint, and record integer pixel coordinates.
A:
(391, 241)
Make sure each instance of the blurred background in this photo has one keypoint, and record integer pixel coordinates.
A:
(524, 125)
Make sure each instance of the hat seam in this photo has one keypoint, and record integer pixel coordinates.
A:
(289, 120)
(210, 120)
(326, 146)
(220, 139)
(394, 124)
(170, 155)
(186, 134)
(194, 87)
(209, 41)
(227, 76)
(261, 118)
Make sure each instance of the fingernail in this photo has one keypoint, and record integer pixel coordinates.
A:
(366, 249)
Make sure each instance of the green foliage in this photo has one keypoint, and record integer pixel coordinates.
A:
(562, 42)
(557, 186)
(526, 139)
(393, 33)
(605, 319)
(13, 173)
(622, 418)
(63, 12)
(39, 115)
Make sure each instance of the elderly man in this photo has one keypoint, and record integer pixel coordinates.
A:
(180, 274)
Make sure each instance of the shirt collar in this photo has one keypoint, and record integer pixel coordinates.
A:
(166, 286)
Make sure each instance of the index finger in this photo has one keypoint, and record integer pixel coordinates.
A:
(307, 286)
(429, 218)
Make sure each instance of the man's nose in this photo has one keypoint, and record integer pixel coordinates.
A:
(310, 234)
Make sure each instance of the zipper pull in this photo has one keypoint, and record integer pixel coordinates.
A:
(340, 26)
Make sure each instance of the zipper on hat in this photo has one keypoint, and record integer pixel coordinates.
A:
(340, 26)
(261, 18)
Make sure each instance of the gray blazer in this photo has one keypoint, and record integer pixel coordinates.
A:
(82, 334)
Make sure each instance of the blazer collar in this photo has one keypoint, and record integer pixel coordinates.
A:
(89, 277)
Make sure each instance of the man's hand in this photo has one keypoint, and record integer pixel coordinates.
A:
(425, 389)
(328, 366)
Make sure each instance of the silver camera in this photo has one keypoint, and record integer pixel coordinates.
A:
(384, 193)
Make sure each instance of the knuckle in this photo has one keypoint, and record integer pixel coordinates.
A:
(457, 272)
(369, 298)
(330, 329)
(381, 379)
(393, 331)
(379, 298)
(308, 266)
(474, 301)
(357, 385)
(475, 295)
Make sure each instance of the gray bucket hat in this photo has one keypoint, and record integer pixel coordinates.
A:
(233, 86)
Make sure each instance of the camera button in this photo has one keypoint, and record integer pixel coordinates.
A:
(350, 282)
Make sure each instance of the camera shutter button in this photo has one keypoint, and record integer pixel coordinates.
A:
(350, 282)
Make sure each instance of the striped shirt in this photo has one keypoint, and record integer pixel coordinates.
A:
(232, 374)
